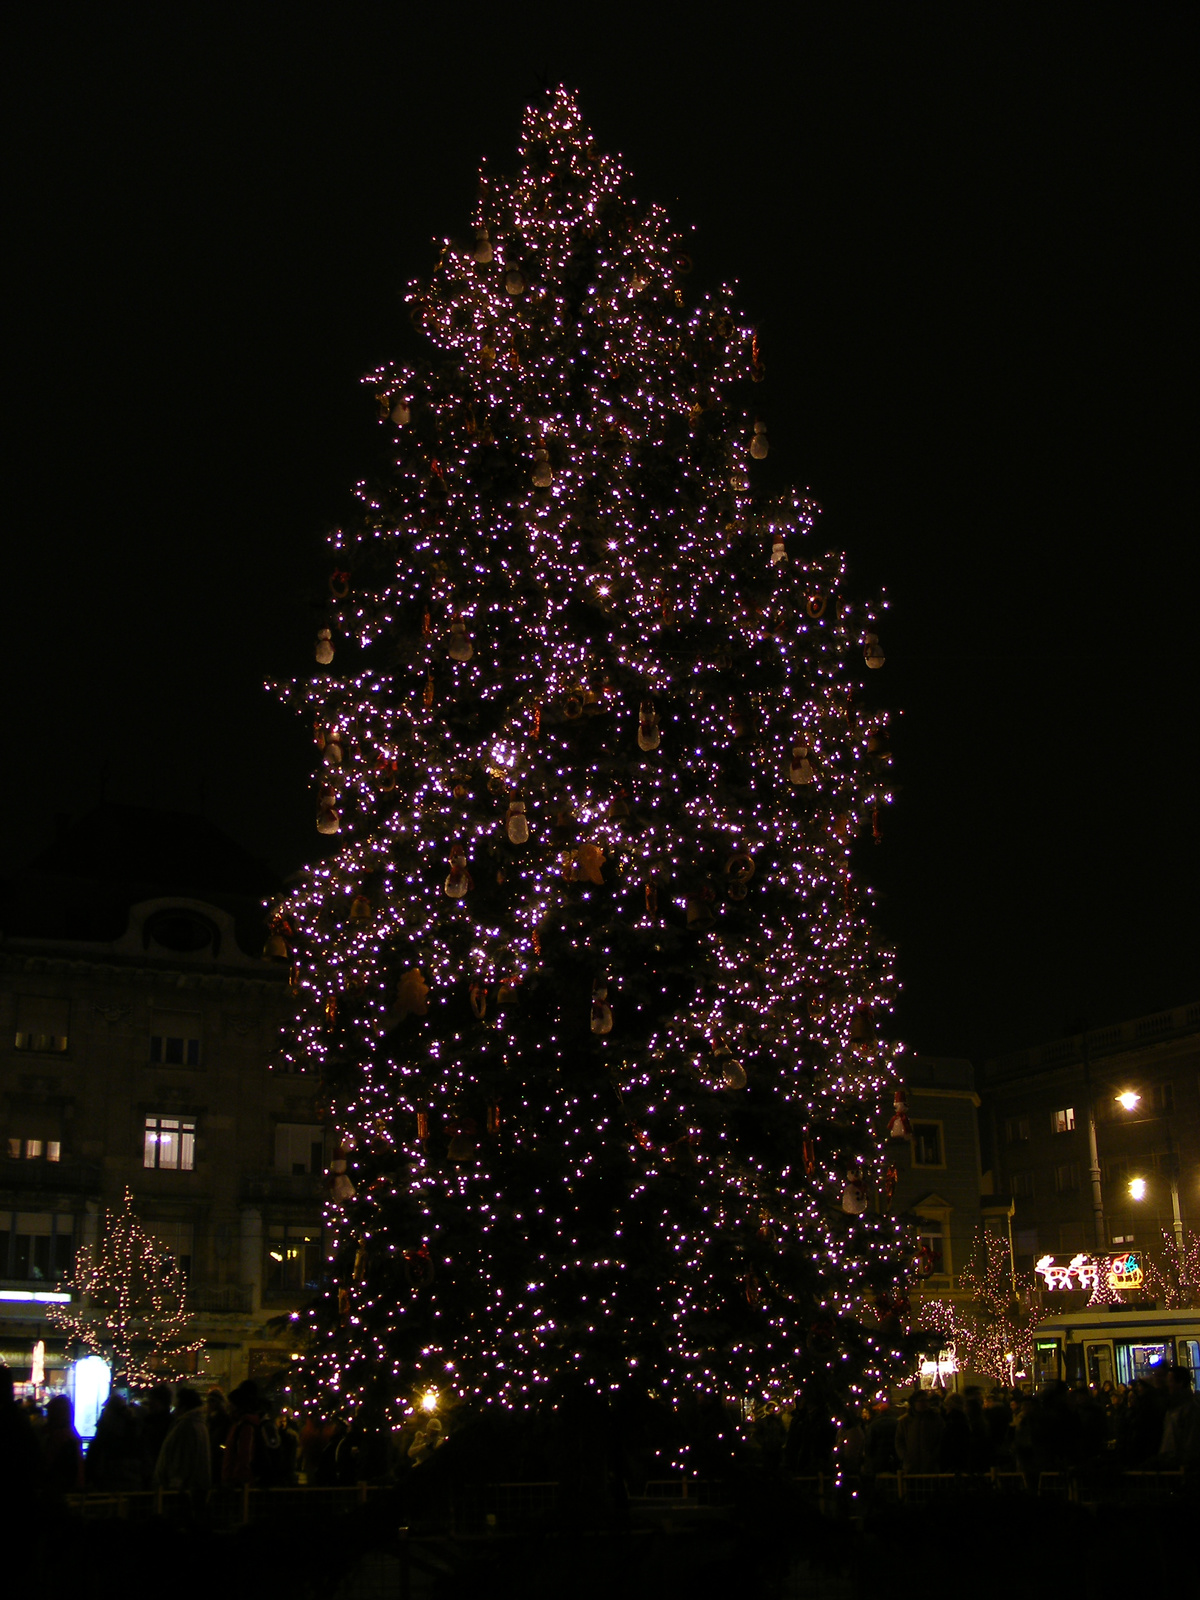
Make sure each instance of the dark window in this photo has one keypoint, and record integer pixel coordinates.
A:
(1066, 1177)
(932, 1237)
(1016, 1129)
(1164, 1097)
(927, 1144)
(42, 1024)
(1021, 1185)
(36, 1247)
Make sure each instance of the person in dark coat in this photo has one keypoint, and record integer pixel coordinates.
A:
(217, 1418)
(156, 1424)
(919, 1435)
(62, 1449)
(956, 1436)
(115, 1457)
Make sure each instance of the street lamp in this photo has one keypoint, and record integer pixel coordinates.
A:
(1129, 1099)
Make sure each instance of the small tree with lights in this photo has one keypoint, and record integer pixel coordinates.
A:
(131, 1303)
(992, 1327)
(588, 973)
(1172, 1276)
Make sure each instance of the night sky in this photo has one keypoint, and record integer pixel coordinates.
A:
(967, 236)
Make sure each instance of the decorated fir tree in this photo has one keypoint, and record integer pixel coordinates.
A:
(587, 974)
(131, 1303)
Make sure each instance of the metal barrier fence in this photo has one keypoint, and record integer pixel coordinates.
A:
(508, 1507)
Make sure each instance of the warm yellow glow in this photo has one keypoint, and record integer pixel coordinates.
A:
(429, 1400)
(1129, 1099)
(1137, 1188)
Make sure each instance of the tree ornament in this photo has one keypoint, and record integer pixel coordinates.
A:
(854, 1195)
(573, 704)
(808, 1156)
(401, 413)
(341, 1189)
(602, 1017)
(412, 995)
(753, 1290)
(324, 650)
(699, 912)
(359, 1270)
(483, 247)
(427, 695)
(506, 992)
(514, 281)
(458, 881)
(360, 909)
(778, 549)
(419, 1267)
(728, 1068)
(515, 824)
(740, 867)
(333, 754)
(800, 769)
(900, 1127)
(815, 604)
(328, 820)
(891, 1178)
(649, 736)
(758, 445)
(460, 647)
(493, 1119)
(584, 864)
(478, 996)
(872, 653)
(464, 1140)
(339, 584)
(275, 948)
(422, 1125)
(543, 477)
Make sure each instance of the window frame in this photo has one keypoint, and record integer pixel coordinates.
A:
(309, 1236)
(1063, 1120)
(929, 1122)
(183, 1126)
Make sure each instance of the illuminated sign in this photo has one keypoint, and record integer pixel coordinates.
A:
(1084, 1272)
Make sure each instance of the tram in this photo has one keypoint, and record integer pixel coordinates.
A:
(1104, 1345)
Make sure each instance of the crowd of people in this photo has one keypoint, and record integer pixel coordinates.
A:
(202, 1443)
(197, 1444)
(1154, 1423)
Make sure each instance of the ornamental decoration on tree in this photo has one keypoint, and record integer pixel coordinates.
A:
(623, 699)
(129, 1303)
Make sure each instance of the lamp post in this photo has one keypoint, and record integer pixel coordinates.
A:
(1137, 1188)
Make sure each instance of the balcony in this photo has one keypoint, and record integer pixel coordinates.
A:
(50, 1177)
(221, 1298)
(280, 1186)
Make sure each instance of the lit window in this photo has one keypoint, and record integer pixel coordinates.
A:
(1063, 1121)
(34, 1149)
(293, 1264)
(170, 1142)
(14, 1149)
(53, 1150)
(927, 1144)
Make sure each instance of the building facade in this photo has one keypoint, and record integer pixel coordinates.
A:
(1124, 1100)
(940, 1181)
(137, 1027)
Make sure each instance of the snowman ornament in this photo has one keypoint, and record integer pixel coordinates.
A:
(602, 1017)
(458, 880)
(516, 825)
(800, 769)
(854, 1195)
(649, 735)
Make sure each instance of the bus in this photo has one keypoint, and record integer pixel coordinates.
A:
(1102, 1345)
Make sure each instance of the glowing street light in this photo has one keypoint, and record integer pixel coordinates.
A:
(1137, 1188)
(429, 1400)
(1129, 1099)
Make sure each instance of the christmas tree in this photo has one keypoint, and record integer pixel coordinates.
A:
(588, 977)
(132, 1303)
